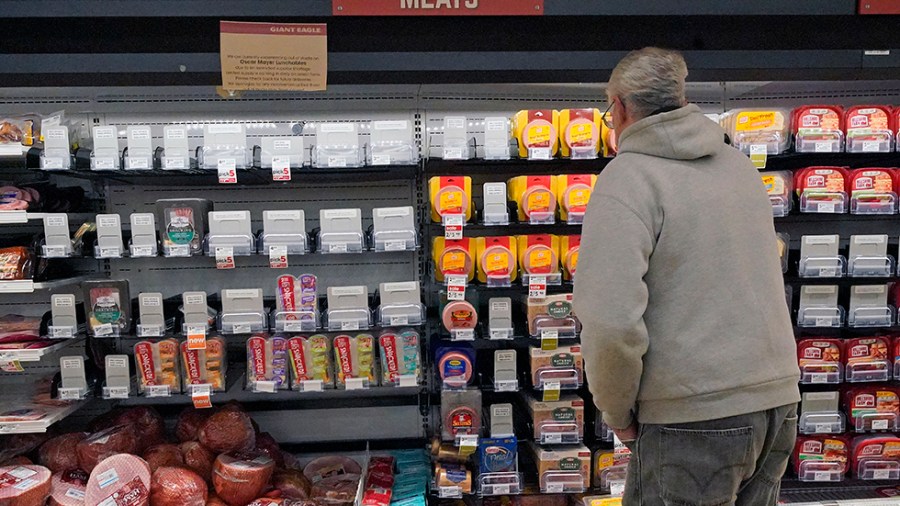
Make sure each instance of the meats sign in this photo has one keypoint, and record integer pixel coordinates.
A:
(437, 7)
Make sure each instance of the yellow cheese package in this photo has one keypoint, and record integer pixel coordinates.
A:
(453, 257)
(497, 260)
(450, 195)
(535, 197)
(579, 133)
(568, 254)
(573, 191)
(760, 127)
(537, 132)
(539, 255)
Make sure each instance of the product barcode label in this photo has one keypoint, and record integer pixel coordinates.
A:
(555, 488)
(408, 380)
(54, 251)
(821, 476)
(449, 492)
(506, 385)
(293, 326)
(817, 378)
(827, 272)
(501, 333)
(350, 325)
(102, 330)
(61, 332)
(138, 163)
(70, 394)
(824, 321)
(540, 154)
(52, 162)
(142, 251)
(381, 159)
(337, 161)
(502, 489)
(871, 146)
(463, 335)
(881, 474)
(399, 320)
(337, 247)
(158, 391)
(104, 163)
(179, 250)
(551, 439)
(112, 252)
(825, 207)
(175, 164)
(823, 428)
(240, 328)
(453, 153)
(116, 392)
(824, 147)
(395, 245)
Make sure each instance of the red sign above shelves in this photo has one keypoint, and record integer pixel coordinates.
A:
(437, 7)
(879, 7)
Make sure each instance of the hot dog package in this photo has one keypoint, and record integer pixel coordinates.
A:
(157, 365)
(311, 360)
(205, 366)
(267, 363)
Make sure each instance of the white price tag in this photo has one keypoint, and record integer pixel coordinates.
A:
(818, 378)
(462, 335)
(821, 476)
(555, 488)
(467, 440)
(266, 387)
(227, 171)
(104, 164)
(823, 147)
(116, 392)
(158, 391)
(501, 333)
(142, 251)
(52, 162)
(399, 320)
(408, 380)
(500, 489)
(281, 168)
(356, 383)
(337, 161)
(449, 492)
(54, 252)
(871, 146)
(395, 245)
(175, 164)
(759, 154)
(337, 247)
(879, 425)
(551, 439)
(453, 154)
(293, 326)
(111, 252)
(617, 488)
(456, 287)
(827, 272)
(824, 321)
(61, 332)
(278, 256)
(537, 287)
(506, 385)
(350, 325)
(70, 394)
(822, 428)
(179, 250)
(825, 207)
(104, 329)
(381, 159)
(240, 328)
(138, 163)
(224, 257)
(540, 154)
(312, 386)
(881, 474)
(453, 226)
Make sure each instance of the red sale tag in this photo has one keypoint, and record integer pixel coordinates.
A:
(227, 170)
(453, 226)
(224, 257)
(278, 258)
(281, 168)
(456, 287)
(537, 287)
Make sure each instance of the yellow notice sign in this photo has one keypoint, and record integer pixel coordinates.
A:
(273, 56)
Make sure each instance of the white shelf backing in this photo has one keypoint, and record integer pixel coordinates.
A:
(36, 355)
(53, 415)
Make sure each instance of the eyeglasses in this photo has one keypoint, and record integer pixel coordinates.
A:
(607, 119)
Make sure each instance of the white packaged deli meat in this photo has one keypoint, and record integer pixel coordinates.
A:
(267, 363)
(24, 485)
(354, 357)
(120, 480)
(157, 366)
(67, 488)
(311, 360)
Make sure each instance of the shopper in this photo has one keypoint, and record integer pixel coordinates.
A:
(687, 340)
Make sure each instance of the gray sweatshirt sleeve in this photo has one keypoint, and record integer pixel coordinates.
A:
(610, 300)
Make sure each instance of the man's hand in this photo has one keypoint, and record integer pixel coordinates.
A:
(628, 434)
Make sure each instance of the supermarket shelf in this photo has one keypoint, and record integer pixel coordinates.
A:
(29, 286)
(847, 492)
(36, 354)
(53, 415)
(790, 161)
(440, 167)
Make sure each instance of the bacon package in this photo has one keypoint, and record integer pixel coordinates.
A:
(819, 458)
(820, 360)
(822, 189)
(157, 365)
(205, 366)
(874, 408)
(866, 359)
(869, 129)
(311, 360)
(818, 129)
(16, 263)
(297, 302)
(354, 357)
(400, 356)
(876, 457)
(267, 363)
(872, 191)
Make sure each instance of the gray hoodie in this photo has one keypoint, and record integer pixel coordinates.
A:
(679, 284)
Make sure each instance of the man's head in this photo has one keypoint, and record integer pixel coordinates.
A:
(645, 81)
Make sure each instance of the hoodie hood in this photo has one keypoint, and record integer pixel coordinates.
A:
(682, 134)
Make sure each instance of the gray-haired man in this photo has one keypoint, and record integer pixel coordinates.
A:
(688, 344)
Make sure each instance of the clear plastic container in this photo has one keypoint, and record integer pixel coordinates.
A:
(779, 187)
(868, 129)
(818, 129)
(872, 191)
(753, 127)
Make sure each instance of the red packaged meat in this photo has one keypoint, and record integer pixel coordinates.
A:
(818, 129)
(24, 485)
(58, 454)
(120, 480)
(822, 189)
(876, 457)
(146, 421)
(821, 458)
(117, 439)
(872, 191)
(240, 477)
(189, 421)
(16, 263)
(337, 490)
(267, 445)
(326, 467)
(198, 458)
(820, 360)
(292, 484)
(869, 129)
(228, 431)
(874, 408)
(177, 486)
(67, 488)
(164, 455)
(866, 359)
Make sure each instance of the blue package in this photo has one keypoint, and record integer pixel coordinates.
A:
(455, 363)
(497, 455)
(412, 501)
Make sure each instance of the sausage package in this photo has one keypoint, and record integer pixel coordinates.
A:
(818, 129)
(400, 357)
(311, 360)
(201, 367)
(821, 458)
(563, 365)
(869, 129)
(354, 357)
(267, 367)
(875, 408)
(562, 469)
(157, 365)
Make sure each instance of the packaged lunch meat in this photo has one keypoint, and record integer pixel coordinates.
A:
(869, 129)
(455, 365)
(460, 414)
(866, 359)
(459, 315)
(108, 305)
(553, 313)
(535, 198)
(24, 485)
(497, 263)
(820, 360)
(297, 302)
(157, 365)
(562, 469)
(450, 195)
(873, 191)
(267, 363)
(818, 129)
(539, 255)
(875, 408)
(311, 360)
(537, 132)
(579, 133)
(119, 480)
(822, 189)
(454, 257)
(569, 246)
(400, 356)
(18, 131)
(183, 225)
(205, 366)
(354, 357)
(16, 263)
(557, 422)
(818, 457)
(779, 187)
(453, 475)
(563, 365)
(759, 127)
(875, 457)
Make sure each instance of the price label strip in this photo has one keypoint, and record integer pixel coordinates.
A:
(456, 287)
(224, 257)
(200, 396)
(116, 392)
(537, 287)
(278, 256)
(71, 394)
(227, 171)
(453, 226)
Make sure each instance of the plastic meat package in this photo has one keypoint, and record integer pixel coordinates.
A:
(157, 365)
(759, 127)
(354, 357)
(311, 360)
(16, 263)
(814, 455)
(267, 362)
(20, 130)
(400, 356)
(818, 129)
(108, 306)
(206, 366)
(869, 129)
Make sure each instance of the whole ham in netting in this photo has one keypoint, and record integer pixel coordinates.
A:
(240, 477)
(177, 486)
(120, 480)
(228, 431)
(67, 488)
(198, 458)
(58, 454)
(189, 422)
(24, 485)
(116, 439)
(164, 455)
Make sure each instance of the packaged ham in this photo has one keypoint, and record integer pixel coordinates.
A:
(822, 189)
(867, 359)
(333, 465)
(759, 127)
(67, 488)
(164, 455)
(58, 454)
(120, 480)
(869, 129)
(563, 366)
(557, 422)
(563, 469)
(267, 445)
(198, 458)
(455, 366)
(16, 263)
(157, 367)
(818, 129)
(189, 422)
(99, 446)
(779, 187)
(354, 358)
(24, 485)
(292, 484)
(400, 358)
(872, 409)
(205, 367)
(240, 477)
(873, 191)
(820, 361)
(337, 490)
(177, 486)
(821, 458)
(227, 431)
(267, 363)
(146, 421)
(876, 457)
(108, 307)
(311, 360)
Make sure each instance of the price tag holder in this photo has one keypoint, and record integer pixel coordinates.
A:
(312, 386)
(407, 380)
(113, 252)
(537, 287)
(278, 256)
(456, 287)
(281, 168)
(227, 171)
(196, 337)
(103, 330)
(71, 394)
(506, 385)
(11, 366)
(452, 492)
(759, 155)
(224, 257)
(356, 384)
(264, 387)
(551, 391)
(159, 391)
(453, 226)
(549, 340)
(115, 392)
(179, 250)
(200, 396)
(818, 378)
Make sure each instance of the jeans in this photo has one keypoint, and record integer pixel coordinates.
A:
(736, 461)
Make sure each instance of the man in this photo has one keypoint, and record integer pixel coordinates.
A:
(687, 341)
